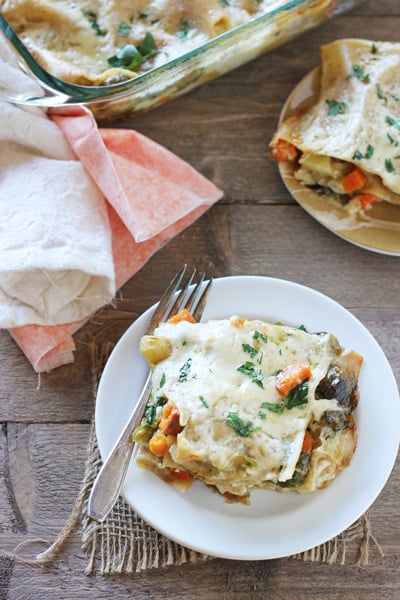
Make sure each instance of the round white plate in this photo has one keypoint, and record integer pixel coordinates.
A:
(275, 524)
(377, 229)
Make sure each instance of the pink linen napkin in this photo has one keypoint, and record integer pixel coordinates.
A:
(151, 194)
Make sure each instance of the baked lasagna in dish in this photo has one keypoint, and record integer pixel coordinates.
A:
(346, 146)
(101, 42)
(241, 405)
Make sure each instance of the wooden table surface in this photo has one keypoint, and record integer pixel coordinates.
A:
(223, 130)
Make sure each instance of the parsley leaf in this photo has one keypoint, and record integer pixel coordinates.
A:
(131, 56)
(258, 335)
(357, 71)
(297, 396)
(249, 368)
(238, 425)
(184, 370)
(124, 29)
(336, 108)
(184, 30)
(92, 18)
(393, 122)
(389, 165)
(250, 350)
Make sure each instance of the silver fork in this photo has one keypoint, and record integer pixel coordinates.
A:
(53, 91)
(108, 483)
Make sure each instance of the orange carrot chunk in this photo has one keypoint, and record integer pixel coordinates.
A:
(307, 442)
(169, 423)
(180, 474)
(365, 200)
(183, 315)
(284, 150)
(290, 377)
(158, 444)
(353, 181)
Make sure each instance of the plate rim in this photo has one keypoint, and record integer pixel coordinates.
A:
(262, 280)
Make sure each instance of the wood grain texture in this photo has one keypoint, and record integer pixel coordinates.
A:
(223, 129)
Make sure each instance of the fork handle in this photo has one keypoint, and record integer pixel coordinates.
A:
(110, 478)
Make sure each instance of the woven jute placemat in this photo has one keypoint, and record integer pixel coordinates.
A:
(124, 543)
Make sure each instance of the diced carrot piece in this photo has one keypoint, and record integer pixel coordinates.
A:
(353, 181)
(181, 474)
(158, 444)
(290, 377)
(284, 151)
(169, 423)
(365, 200)
(183, 315)
(307, 442)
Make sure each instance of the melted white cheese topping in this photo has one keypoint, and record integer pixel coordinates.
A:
(203, 381)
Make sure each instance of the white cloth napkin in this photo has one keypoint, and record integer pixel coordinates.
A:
(56, 261)
(54, 232)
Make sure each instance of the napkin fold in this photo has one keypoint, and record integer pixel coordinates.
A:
(81, 211)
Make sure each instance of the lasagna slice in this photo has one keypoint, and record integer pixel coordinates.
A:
(241, 405)
(347, 145)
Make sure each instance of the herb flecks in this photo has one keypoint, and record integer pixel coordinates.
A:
(389, 165)
(358, 72)
(368, 153)
(204, 402)
(336, 108)
(241, 428)
(393, 122)
(184, 370)
(124, 29)
(258, 335)
(184, 30)
(92, 18)
(250, 350)
(249, 369)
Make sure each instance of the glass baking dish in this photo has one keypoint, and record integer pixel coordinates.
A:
(285, 20)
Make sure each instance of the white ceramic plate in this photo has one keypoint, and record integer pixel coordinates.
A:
(275, 524)
(377, 229)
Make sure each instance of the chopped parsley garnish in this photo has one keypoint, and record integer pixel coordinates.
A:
(184, 370)
(368, 154)
(392, 140)
(92, 18)
(336, 108)
(224, 3)
(250, 350)
(276, 408)
(393, 122)
(162, 381)
(151, 411)
(374, 49)
(238, 425)
(131, 56)
(302, 328)
(249, 368)
(124, 29)
(204, 401)
(358, 71)
(296, 397)
(380, 93)
(262, 415)
(357, 155)
(389, 165)
(370, 151)
(184, 30)
(258, 335)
